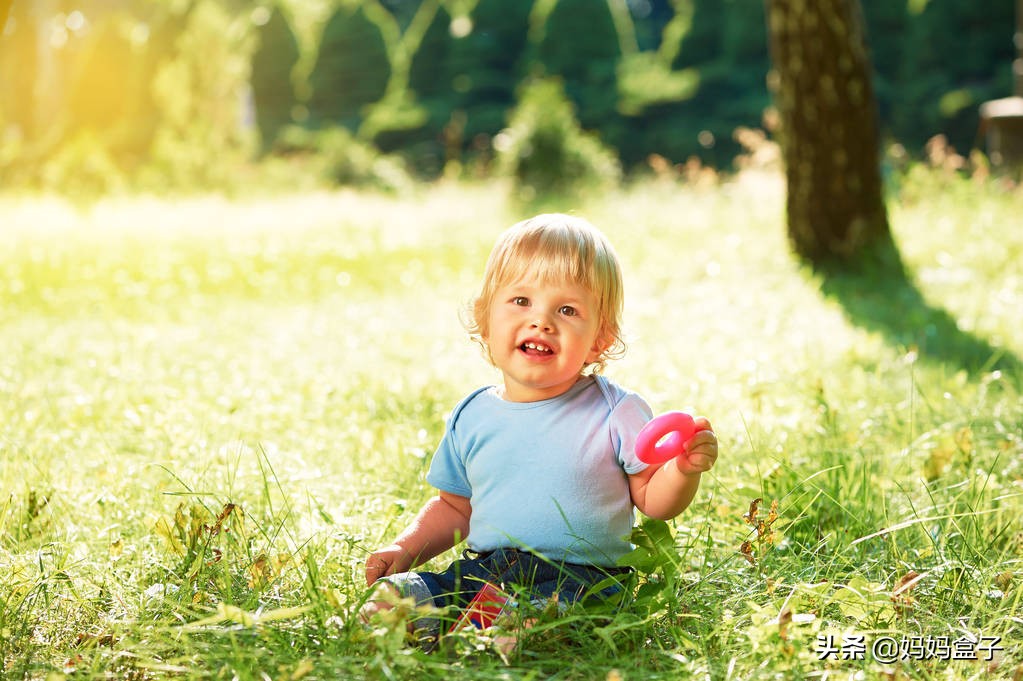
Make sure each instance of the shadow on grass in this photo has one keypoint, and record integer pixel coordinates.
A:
(879, 294)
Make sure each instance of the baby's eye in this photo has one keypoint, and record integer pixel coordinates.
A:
(568, 310)
(520, 300)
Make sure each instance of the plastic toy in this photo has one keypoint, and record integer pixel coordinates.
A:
(664, 437)
(483, 609)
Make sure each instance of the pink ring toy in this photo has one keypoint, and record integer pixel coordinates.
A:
(664, 437)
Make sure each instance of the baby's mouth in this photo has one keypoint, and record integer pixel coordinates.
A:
(535, 348)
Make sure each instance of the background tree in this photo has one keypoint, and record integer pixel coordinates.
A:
(724, 47)
(950, 61)
(586, 63)
(429, 82)
(547, 153)
(488, 63)
(420, 101)
(115, 90)
(272, 64)
(200, 91)
(19, 72)
(829, 133)
(351, 71)
(464, 74)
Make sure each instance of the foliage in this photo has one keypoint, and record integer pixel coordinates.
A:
(709, 60)
(429, 75)
(18, 72)
(83, 167)
(109, 100)
(351, 71)
(465, 76)
(273, 65)
(436, 80)
(487, 63)
(341, 159)
(200, 92)
(544, 150)
(146, 99)
(722, 55)
(429, 82)
(586, 65)
(643, 80)
(409, 118)
(941, 89)
(104, 109)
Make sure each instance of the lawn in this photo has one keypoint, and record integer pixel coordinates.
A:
(212, 409)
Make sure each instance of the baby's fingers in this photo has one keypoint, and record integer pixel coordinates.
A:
(376, 567)
(701, 454)
(701, 462)
(704, 439)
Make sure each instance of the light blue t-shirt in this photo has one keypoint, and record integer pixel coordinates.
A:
(548, 476)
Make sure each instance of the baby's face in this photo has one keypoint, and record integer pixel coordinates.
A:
(541, 336)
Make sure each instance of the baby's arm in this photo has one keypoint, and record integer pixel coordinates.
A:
(440, 524)
(664, 491)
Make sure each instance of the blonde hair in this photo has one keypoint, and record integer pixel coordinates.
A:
(555, 248)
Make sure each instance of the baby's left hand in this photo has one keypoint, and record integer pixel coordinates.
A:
(701, 451)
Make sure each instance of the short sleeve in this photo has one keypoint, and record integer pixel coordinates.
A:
(627, 418)
(447, 469)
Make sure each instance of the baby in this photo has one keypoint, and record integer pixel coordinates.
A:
(538, 474)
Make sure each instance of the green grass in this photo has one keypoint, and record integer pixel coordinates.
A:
(211, 410)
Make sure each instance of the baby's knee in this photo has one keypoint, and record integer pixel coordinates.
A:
(381, 599)
(403, 597)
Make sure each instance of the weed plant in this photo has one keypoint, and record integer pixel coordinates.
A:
(212, 410)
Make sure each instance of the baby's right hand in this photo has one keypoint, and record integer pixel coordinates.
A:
(387, 561)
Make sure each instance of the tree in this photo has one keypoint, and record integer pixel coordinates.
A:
(19, 71)
(272, 63)
(829, 133)
(464, 74)
(941, 89)
(488, 63)
(351, 71)
(198, 89)
(585, 60)
(546, 151)
(426, 88)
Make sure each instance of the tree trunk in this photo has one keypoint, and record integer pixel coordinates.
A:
(829, 134)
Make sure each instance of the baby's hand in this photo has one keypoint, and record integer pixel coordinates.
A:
(701, 451)
(387, 561)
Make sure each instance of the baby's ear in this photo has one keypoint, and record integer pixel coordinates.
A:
(486, 351)
(605, 338)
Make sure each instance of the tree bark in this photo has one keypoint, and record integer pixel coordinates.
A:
(829, 132)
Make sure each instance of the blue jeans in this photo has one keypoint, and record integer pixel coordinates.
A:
(518, 573)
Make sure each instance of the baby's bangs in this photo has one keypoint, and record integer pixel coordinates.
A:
(552, 256)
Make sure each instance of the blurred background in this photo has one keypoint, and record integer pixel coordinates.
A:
(100, 96)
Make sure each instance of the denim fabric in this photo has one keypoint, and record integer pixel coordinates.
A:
(518, 573)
